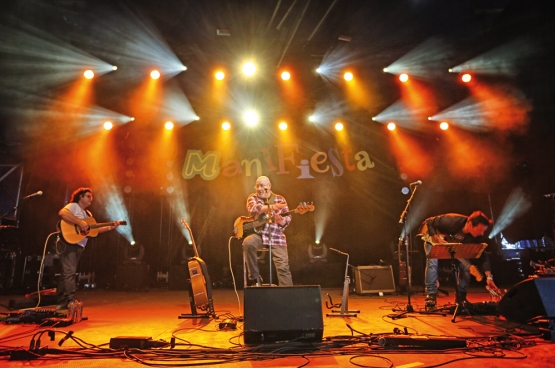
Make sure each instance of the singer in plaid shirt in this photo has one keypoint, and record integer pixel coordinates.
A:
(264, 201)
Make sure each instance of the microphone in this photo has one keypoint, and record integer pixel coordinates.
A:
(39, 193)
(416, 183)
(549, 195)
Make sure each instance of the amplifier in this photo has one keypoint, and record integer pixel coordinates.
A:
(374, 279)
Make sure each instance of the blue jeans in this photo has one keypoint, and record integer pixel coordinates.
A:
(251, 245)
(69, 260)
(431, 274)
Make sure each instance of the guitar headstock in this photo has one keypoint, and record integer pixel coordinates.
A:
(304, 207)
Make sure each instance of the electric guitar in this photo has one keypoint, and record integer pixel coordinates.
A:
(72, 234)
(245, 225)
(474, 271)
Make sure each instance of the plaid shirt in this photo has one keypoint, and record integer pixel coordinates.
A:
(254, 205)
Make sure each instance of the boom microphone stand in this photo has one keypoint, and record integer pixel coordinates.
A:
(403, 220)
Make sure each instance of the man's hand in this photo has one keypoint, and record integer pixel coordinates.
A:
(83, 226)
(280, 220)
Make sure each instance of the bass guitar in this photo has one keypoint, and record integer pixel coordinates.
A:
(72, 234)
(245, 225)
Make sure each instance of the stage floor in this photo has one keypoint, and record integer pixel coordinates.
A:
(351, 341)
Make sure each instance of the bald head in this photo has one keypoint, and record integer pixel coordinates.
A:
(263, 186)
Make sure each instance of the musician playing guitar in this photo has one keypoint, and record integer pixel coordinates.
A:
(265, 202)
(454, 228)
(74, 213)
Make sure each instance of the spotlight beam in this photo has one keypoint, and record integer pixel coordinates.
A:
(517, 204)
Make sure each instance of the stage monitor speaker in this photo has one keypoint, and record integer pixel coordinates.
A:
(374, 279)
(276, 314)
(533, 297)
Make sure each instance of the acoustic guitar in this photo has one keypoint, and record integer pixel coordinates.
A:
(72, 234)
(200, 285)
(245, 225)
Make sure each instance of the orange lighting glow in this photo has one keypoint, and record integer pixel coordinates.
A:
(283, 125)
(348, 76)
(220, 75)
(89, 74)
(391, 126)
(168, 125)
(285, 75)
(444, 125)
(226, 125)
(466, 78)
(339, 126)
(155, 74)
(108, 125)
(404, 77)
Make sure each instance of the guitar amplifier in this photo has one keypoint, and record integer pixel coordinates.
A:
(374, 279)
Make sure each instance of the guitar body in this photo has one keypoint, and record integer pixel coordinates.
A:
(72, 234)
(244, 226)
(200, 282)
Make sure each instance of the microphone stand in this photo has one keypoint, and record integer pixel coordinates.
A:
(270, 260)
(403, 220)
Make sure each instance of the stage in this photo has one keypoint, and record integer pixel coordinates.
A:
(151, 318)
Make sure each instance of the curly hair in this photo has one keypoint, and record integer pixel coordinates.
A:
(78, 193)
(478, 217)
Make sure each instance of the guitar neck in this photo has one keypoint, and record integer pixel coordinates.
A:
(101, 224)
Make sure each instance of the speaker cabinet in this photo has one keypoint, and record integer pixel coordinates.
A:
(275, 314)
(529, 298)
(374, 279)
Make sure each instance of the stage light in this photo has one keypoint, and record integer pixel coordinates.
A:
(131, 119)
(226, 125)
(108, 125)
(249, 69)
(404, 77)
(220, 75)
(348, 76)
(466, 78)
(444, 125)
(391, 126)
(89, 74)
(183, 67)
(283, 125)
(373, 118)
(385, 70)
(114, 67)
(450, 70)
(251, 118)
(339, 126)
(429, 118)
(168, 125)
(285, 75)
(132, 242)
(318, 70)
(155, 74)
(312, 118)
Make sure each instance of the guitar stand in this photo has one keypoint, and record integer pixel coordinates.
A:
(344, 311)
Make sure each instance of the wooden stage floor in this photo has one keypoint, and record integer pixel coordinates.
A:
(352, 341)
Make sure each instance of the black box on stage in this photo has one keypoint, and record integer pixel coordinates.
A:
(374, 279)
(533, 297)
(275, 314)
(178, 277)
(132, 277)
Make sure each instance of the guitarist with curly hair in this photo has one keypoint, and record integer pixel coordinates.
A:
(455, 228)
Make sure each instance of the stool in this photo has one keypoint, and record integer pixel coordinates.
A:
(245, 270)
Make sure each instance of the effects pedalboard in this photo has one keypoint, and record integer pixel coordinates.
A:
(44, 317)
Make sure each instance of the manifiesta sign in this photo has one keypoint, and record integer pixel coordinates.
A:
(331, 162)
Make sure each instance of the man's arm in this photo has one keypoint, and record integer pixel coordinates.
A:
(70, 218)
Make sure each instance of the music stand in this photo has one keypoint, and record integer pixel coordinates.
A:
(453, 251)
